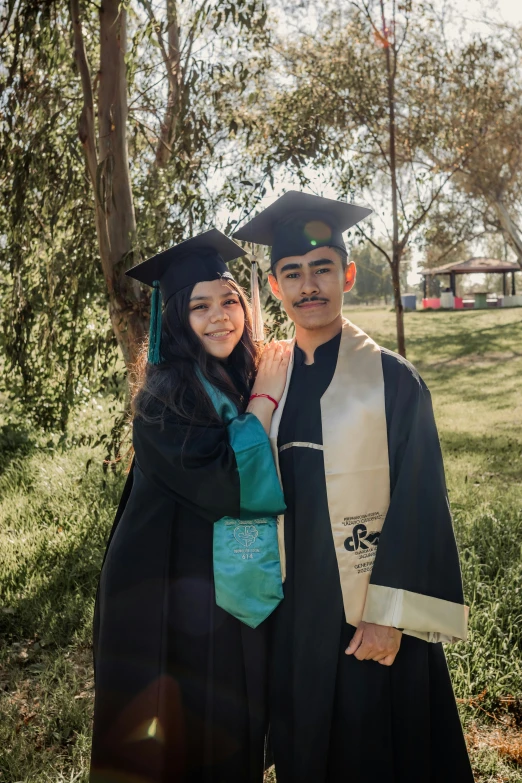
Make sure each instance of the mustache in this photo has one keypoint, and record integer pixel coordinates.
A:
(310, 299)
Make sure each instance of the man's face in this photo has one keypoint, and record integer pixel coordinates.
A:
(311, 287)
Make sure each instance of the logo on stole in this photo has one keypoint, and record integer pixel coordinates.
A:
(361, 539)
(246, 535)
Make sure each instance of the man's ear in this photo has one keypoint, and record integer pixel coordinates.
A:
(274, 286)
(349, 277)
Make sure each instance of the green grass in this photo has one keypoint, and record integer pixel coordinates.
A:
(472, 362)
(57, 503)
(56, 507)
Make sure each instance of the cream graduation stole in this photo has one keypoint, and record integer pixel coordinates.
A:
(357, 471)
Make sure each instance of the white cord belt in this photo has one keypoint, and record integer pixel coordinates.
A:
(300, 444)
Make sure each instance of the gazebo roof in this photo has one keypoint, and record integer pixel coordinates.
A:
(473, 265)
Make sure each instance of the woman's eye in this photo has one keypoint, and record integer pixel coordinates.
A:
(232, 301)
(198, 307)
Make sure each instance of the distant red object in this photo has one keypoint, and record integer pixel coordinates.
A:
(434, 304)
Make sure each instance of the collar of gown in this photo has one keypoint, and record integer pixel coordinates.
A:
(324, 351)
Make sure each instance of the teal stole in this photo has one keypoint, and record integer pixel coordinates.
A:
(247, 567)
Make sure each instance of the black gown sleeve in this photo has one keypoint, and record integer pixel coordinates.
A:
(216, 471)
(195, 465)
(416, 581)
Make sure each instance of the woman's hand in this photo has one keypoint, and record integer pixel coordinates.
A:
(272, 370)
(271, 380)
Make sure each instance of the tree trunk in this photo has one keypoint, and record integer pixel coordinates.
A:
(172, 60)
(68, 395)
(510, 230)
(399, 310)
(108, 169)
(127, 305)
(391, 66)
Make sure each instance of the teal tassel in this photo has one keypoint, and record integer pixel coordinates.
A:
(154, 354)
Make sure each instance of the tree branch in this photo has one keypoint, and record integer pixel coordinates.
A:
(454, 245)
(426, 209)
(508, 227)
(405, 35)
(172, 61)
(189, 43)
(11, 7)
(86, 129)
(142, 124)
(360, 118)
(143, 94)
(144, 128)
(375, 245)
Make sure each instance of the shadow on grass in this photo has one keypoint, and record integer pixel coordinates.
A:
(492, 383)
(469, 359)
(15, 443)
(503, 458)
(463, 342)
(51, 585)
(59, 608)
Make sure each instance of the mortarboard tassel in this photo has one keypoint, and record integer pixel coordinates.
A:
(258, 327)
(154, 354)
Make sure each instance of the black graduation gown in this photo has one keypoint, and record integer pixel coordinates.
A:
(180, 684)
(335, 719)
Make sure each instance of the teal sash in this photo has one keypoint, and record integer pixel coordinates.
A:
(247, 569)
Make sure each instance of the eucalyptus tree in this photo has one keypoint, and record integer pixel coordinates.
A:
(456, 226)
(116, 136)
(183, 130)
(373, 282)
(486, 88)
(364, 101)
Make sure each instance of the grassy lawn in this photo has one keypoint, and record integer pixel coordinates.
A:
(57, 503)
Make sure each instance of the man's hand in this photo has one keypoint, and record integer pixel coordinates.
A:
(373, 642)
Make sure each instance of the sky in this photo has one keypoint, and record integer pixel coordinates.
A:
(507, 10)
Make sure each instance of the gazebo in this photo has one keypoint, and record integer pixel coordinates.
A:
(470, 267)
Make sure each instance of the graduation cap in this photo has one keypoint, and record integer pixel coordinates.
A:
(298, 222)
(196, 260)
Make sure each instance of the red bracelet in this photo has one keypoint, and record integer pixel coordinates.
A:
(268, 397)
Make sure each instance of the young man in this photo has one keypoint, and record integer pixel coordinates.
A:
(360, 691)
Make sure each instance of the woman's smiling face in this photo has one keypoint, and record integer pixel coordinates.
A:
(216, 316)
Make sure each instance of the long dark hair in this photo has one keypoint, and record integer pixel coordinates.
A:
(174, 386)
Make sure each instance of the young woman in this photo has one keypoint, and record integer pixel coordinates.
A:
(180, 681)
